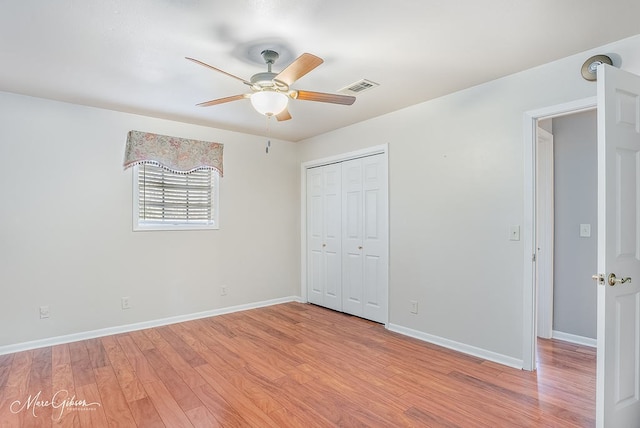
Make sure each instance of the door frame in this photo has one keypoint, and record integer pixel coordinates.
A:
(382, 149)
(530, 121)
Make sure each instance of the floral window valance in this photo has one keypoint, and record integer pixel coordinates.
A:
(179, 155)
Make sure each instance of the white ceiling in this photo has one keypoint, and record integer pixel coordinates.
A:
(128, 55)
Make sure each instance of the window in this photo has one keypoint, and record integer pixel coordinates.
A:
(165, 200)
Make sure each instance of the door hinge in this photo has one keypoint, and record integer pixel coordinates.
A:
(533, 257)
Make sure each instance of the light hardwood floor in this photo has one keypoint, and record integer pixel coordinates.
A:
(290, 365)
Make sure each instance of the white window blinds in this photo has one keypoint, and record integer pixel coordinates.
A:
(166, 197)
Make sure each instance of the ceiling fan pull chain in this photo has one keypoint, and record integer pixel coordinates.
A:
(268, 134)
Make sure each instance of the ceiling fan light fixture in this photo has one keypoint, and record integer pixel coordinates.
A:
(269, 102)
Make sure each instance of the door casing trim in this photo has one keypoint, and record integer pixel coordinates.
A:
(529, 304)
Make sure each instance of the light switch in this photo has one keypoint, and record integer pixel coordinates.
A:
(585, 231)
(514, 233)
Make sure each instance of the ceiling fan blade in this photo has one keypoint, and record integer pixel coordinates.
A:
(223, 100)
(325, 98)
(217, 69)
(298, 68)
(283, 115)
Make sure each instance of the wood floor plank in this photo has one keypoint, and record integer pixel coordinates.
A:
(259, 396)
(176, 358)
(250, 411)
(293, 365)
(63, 386)
(20, 368)
(181, 347)
(138, 361)
(225, 414)
(169, 410)
(427, 419)
(274, 390)
(205, 346)
(129, 383)
(145, 414)
(12, 413)
(179, 390)
(285, 417)
(81, 364)
(94, 414)
(5, 367)
(113, 401)
(141, 340)
(97, 354)
(362, 395)
(40, 385)
(201, 417)
(250, 353)
(222, 355)
(332, 405)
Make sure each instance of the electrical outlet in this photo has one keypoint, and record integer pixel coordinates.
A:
(44, 312)
(126, 304)
(414, 306)
(223, 290)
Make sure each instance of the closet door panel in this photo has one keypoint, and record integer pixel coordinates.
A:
(375, 240)
(352, 279)
(372, 275)
(332, 236)
(315, 213)
(315, 277)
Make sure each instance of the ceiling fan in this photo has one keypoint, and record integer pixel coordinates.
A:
(271, 91)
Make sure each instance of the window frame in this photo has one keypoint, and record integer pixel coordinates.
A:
(141, 226)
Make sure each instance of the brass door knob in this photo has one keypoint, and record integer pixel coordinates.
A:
(613, 280)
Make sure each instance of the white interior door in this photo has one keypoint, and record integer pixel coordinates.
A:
(375, 239)
(324, 246)
(618, 354)
(315, 233)
(352, 238)
(364, 238)
(333, 236)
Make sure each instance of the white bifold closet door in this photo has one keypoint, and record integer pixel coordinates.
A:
(347, 237)
(324, 236)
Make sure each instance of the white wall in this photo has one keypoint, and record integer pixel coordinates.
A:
(66, 236)
(456, 185)
(576, 199)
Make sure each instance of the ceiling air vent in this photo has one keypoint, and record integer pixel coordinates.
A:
(358, 87)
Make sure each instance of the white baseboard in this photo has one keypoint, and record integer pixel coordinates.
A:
(18, 347)
(572, 338)
(460, 347)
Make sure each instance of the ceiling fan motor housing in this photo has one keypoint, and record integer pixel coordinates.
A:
(267, 80)
(269, 56)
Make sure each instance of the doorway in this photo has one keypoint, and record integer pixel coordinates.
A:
(530, 294)
(618, 145)
(566, 222)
